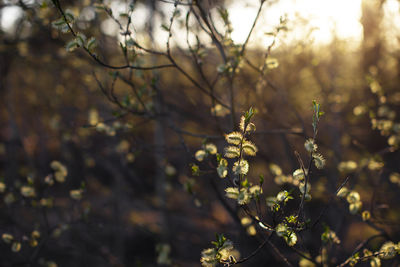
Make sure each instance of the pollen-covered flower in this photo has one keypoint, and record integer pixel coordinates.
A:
(302, 188)
(7, 238)
(241, 167)
(222, 168)
(76, 194)
(232, 152)
(209, 257)
(225, 251)
(60, 171)
(347, 166)
(280, 179)
(255, 190)
(299, 175)
(170, 170)
(249, 148)
(246, 221)
(210, 148)
(16, 246)
(394, 140)
(388, 250)
(353, 197)
(35, 234)
(310, 145)
(375, 165)
(232, 192)
(219, 110)
(330, 236)
(319, 161)
(2, 187)
(275, 169)
(243, 196)
(27, 191)
(250, 126)
(395, 177)
(234, 138)
(49, 180)
(343, 192)
(290, 238)
(283, 196)
(200, 155)
(366, 215)
(281, 229)
(355, 207)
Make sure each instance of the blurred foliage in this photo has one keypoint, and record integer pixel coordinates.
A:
(108, 166)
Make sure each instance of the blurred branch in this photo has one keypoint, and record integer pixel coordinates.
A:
(128, 66)
(255, 252)
(330, 201)
(242, 50)
(358, 248)
(211, 33)
(114, 99)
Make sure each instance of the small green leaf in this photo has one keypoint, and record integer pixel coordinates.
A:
(261, 179)
(91, 44)
(291, 219)
(71, 46)
(126, 101)
(80, 39)
(58, 22)
(123, 48)
(69, 15)
(195, 170)
(245, 183)
(165, 27)
(248, 115)
(224, 14)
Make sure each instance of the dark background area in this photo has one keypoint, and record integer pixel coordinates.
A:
(131, 155)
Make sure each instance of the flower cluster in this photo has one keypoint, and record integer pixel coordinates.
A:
(222, 252)
(353, 198)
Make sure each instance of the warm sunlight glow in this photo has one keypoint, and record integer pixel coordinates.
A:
(392, 23)
(324, 19)
(9, 17)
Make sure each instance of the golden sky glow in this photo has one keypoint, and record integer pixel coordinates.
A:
(323, 16)
(313, 21)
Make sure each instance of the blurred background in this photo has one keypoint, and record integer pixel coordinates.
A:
(97, 160)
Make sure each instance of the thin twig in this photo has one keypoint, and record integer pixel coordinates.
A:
(255, 251)
(330, 201)
(358, 248)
